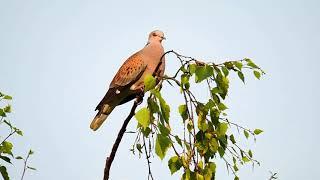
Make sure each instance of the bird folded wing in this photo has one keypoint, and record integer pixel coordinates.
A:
(129, 72)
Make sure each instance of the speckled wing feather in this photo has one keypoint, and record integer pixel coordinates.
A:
(129, 71)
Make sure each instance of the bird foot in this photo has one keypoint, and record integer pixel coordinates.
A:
(139, 99)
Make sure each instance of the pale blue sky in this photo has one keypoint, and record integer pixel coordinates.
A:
(58, 57)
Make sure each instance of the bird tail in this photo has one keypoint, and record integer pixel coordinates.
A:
(101, 116)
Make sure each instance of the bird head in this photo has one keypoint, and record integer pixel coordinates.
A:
(156, 36)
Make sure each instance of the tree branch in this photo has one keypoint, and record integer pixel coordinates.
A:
(148, 158)
(109, 159)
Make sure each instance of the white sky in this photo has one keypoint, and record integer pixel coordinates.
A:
(58, 57)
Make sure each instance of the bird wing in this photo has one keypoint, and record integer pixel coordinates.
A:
(130, 71)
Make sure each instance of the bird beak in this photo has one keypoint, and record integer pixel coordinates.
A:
(163, 38)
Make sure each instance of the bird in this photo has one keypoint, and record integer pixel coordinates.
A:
(128, 82)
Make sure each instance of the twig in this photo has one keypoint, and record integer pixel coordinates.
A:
(25, 165)
(148, 160)
(11, 133)
(273, 175)
(110, 158)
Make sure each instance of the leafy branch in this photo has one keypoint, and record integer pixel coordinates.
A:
(25, 163)
(6, 147)
(205, 126)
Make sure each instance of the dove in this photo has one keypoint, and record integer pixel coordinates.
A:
(128, 82)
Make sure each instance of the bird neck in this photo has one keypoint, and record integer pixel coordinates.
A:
(152, 44)
(154, 41)
(153, 49)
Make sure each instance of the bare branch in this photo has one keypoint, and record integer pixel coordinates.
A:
(109, 159)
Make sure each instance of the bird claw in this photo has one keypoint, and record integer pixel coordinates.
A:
(139, 99)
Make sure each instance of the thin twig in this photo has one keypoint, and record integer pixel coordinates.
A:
(12, 132)
(25, 167)
(109, 160)
(148, 159)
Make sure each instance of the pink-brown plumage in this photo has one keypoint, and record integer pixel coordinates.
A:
(130, 70)
(128, 81)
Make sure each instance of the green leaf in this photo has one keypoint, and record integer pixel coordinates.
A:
(178, 140)
(221, 151)
(222, 84)
(214, 115)
(188, 175)
(214, 145)
(183, 69)
(153, 106)
(139, 147)
(2, 113)
(200, 164)
(163, 129)
(162, 145)
(31, 152)
(232, 139)
(238, 65)
(6, 147)
(203, 72)
(7, 97)
(146, 131)
(208, 174)
(32, 168)
(174, 164)
(234, 160)
(246, 134)
(210, 104)
(183, 111)
(241, 76)
(7, 109)
(236, 178)
(143, 117)
(184, 78)
(245, 159)
(257, 74)
(190, 126)
(216, 98)
(202, 124)
(235, 167)
(209, 171)
(251, 64)
(19, 157)
(222, 107)
(149, 82)
(4, 173)
(215, 90)
(5, 158)
(212, 166)
(165, 109)
(257, 131)
(199, 177)
(192, 68)
(228, 64)
(222, 129)
(18, 131)
(250, 153)
(225, 71)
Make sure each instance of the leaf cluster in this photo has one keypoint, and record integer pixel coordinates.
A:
(6, 146)
(206, 128)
